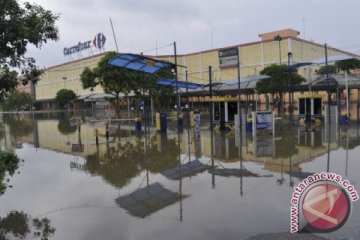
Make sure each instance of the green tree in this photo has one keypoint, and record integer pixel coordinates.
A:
(20, 225)
(64, 126)
(112, 79)
(21, 25)
(160, 94)
(18, 126)
(64, 97)
(332, 69)
(9, 162)
(18, 100)
(347, 65)
(279, 80)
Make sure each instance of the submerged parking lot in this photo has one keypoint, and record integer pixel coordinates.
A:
(152, 185)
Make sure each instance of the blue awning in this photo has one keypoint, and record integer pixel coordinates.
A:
(297, 65)
(148, 200)
(179, 84)
(139, 63)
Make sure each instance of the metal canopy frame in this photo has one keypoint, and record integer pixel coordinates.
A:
(178, 84)
(330, 59)
(139, 63)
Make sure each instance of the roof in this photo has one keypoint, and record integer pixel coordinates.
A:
(147, 200)
(282, 33)
(95, 96)
(330, 59)
(139, 63)
(178, 84)
(231, 86)
(235, 172)
(189, 169)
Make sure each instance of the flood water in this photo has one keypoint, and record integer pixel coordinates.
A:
(147, 186)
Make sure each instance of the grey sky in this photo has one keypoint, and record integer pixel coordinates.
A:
(196, 25)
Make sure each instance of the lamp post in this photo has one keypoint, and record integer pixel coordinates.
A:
(289, 83)
(64, 78)
(278, 38)
(92, 101)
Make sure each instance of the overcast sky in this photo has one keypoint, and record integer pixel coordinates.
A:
(196, 25)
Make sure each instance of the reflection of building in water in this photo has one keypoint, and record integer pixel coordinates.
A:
(15, 130)
(147, 200)
(274, 155)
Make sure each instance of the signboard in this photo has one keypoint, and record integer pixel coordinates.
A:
(264, 147)
(98, 42)
(228, 57)
(262, 122)
(109, 113)
(74, 121)
(77, 148)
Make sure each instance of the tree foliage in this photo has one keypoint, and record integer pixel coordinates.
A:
(19, 127)
(122, 163)
(113, 80)
(64, 97)
(20, 225)
(119, 80)
(9, 162)
(160, 94)
(21, 25)
(18, 100)
(331, 69)
(347, 65)
(278, 82)
(64, 126)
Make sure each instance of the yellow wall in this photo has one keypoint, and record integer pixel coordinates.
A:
(65, 76)
(253, 58)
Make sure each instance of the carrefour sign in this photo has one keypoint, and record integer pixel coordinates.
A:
(98, 42)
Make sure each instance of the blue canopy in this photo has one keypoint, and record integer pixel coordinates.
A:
(185, 170)
(148, 200)
(297, 65)
(139, 63)
(330, 59)
(178, 84)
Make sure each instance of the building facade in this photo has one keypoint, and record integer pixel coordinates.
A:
(277, 47)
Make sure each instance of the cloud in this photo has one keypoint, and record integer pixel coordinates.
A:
(198, 25)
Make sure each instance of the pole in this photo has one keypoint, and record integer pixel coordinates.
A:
(280, 50)
(177, 93)
(187, 100)
(211, 103)
(128, 109)
(279, 38)
(327, 83)
(112, 27)
(347, 95)
(239, 92)
(143, 100)
(289, 84)
(176, 85)
(187, 89)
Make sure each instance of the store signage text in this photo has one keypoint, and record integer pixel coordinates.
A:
(99, 42)
(228, 57)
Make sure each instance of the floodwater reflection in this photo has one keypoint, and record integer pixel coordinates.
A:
(20, 225)
(112, 182)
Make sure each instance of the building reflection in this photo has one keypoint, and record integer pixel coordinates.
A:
(118, 154)
(22, 226)
(273, 153)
